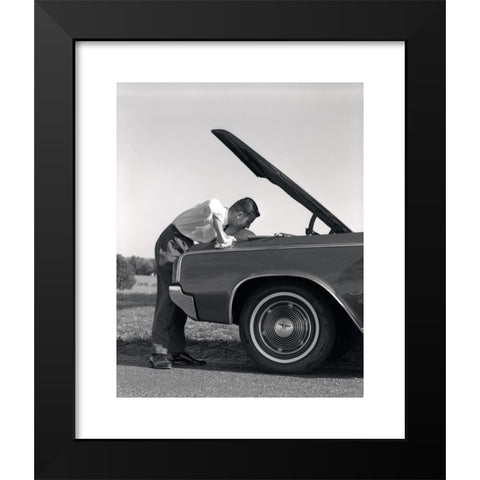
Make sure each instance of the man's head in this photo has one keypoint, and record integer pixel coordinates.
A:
(242, 213)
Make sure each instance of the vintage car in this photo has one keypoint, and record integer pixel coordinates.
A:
(297, 299)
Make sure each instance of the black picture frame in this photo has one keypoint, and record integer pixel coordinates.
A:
(58, 25)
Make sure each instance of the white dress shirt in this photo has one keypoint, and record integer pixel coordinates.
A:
(197, 222)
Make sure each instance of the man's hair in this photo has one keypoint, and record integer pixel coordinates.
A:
(246, 205)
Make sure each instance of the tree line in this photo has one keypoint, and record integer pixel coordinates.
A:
(128, 267)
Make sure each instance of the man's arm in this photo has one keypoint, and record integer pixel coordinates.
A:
(222, 238)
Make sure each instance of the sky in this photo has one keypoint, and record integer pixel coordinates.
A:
(168, 160)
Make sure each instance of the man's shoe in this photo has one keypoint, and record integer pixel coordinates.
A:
(160, 360)
(184, 359)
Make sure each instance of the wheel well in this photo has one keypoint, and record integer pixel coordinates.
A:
(345, 325)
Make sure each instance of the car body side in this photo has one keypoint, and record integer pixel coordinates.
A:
(213, 282)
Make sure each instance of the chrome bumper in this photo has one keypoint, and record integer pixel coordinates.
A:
(185, 302)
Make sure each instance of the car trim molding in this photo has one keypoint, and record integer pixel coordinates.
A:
(178, 268)
(293, 275)
(275, 247)
(182, 300)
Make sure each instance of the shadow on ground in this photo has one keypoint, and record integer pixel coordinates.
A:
(229, 356)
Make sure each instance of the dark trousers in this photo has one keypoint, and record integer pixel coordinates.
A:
(169, 320)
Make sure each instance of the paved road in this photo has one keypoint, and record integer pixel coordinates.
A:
(235, 379)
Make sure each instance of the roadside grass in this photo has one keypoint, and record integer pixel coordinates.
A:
(135, 308)
(131, 300)
(143, 293)
(205, 340)
(210, 341)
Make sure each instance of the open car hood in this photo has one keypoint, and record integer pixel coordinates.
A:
(263, 168)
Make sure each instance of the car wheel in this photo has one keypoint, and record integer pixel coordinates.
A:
(287, 328)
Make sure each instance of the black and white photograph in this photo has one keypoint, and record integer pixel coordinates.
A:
(239, 239)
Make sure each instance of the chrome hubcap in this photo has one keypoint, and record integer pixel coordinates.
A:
(283, 327)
